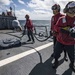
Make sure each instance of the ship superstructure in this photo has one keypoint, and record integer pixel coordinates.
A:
(6, 19)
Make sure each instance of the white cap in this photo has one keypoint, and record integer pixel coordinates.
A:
(71, 5)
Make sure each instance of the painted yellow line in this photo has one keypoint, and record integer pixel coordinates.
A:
(23, 54)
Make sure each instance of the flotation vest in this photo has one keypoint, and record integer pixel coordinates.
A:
(64, 20)
(65, 38)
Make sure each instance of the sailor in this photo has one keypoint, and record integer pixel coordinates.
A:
(29, 27)
(56, 11)
(64, 40)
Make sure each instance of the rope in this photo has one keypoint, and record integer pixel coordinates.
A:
(42, 40)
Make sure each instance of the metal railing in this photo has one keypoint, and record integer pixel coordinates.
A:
(41, 30)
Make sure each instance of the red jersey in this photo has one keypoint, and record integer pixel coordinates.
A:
(29, 25)
(54, 21)
(63, 38)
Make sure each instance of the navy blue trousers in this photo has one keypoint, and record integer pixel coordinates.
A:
(54, 41)
(59, 47)
(30, 35)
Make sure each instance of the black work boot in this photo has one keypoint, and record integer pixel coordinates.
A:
(28, 40)
(71, 65)
(55, 64)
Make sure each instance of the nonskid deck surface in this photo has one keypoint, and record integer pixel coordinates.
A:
(30, 59)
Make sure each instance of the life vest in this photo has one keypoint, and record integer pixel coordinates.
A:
(64, 20)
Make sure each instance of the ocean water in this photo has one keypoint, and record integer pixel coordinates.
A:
(45, 30)
(37, 22)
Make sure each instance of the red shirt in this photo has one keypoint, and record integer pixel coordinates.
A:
(63, 38)
(29, 25)
(54, 20)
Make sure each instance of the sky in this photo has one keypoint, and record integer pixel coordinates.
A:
(37, 9)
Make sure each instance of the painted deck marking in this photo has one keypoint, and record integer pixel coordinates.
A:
(23, 54)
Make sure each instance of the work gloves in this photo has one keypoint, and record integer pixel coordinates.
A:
(68, 30)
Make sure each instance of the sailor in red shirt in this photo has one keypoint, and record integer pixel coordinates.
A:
(64, 40)
(29, 27)
(54, 19)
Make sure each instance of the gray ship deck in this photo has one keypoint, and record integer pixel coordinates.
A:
(30, 59)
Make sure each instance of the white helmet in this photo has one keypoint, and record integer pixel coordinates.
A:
(70, 7)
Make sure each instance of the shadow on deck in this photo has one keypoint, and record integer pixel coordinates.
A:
(46, 68)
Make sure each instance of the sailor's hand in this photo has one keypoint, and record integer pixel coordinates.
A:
(72, 30)
(54, 32)
(51, 33)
